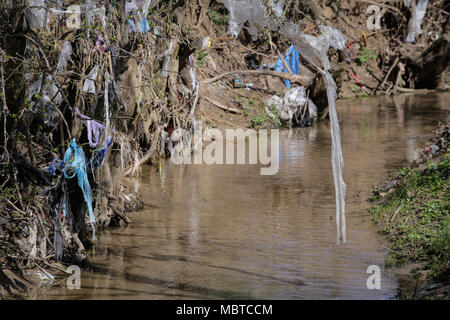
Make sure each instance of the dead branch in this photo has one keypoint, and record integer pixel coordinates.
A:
(221, 106)
(305, 81)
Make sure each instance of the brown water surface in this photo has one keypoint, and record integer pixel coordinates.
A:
(226, 232)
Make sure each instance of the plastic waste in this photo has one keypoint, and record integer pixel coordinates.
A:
(139, 9)
(100, 44)
(98, 157)
(64, 56)
(43, 99)
(278, 7)
(415, 23)
(288, 106)
(242, 11)
(55, 165)
(292, 60)
(131, 7)
(36, 14)
(74, 159)
(89, 83)
(165, 69)
(195, 86)
(94, 129)
(46, 278)
(314, 49)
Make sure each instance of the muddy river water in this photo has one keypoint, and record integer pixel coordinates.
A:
(226, 232)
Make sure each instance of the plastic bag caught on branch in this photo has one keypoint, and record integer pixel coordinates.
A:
(42, 99)
(64, 56)
(278, 7)
(415, 22)
(315, 49)
(292, 60)
(242, 11)
(89, 83)
(75, 160)
(36, 14)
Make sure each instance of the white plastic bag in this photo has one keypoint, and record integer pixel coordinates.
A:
(36, 14)
(89, 83)
(288, 106)
(66, 52)
(415, 22)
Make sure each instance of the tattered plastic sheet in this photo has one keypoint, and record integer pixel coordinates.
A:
(94, 129)
(195, 86)
(74, 159)
(89, 83)
(292, 60)
(242, 11)
(277, 7)
(64, 56)
(287, 107)
(415, 23)
(36, 14)
(314, 50)
(139, 9)
(43, 98)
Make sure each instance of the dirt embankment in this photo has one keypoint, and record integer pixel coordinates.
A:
(119, 78)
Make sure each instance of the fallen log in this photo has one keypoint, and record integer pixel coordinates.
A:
(221, 106)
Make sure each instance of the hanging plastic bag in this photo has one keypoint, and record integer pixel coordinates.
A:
(98, 157)
(333, 37)
(64, 56)
(94, 129)
(242, 11)
(74, 159)
(415, 22)
(292, 60)
(89, 83)
(36, 14)
(278, 7)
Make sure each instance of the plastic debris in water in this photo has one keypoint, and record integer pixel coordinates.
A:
(315, 49)
(288, 106)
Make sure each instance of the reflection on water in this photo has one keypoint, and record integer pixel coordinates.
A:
(226, 232)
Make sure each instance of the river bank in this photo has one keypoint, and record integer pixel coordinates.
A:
(225, 231)
(104, 87)
(412, 211)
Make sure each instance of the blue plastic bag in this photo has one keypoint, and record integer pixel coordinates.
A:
(293, 60)
(74, 159)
